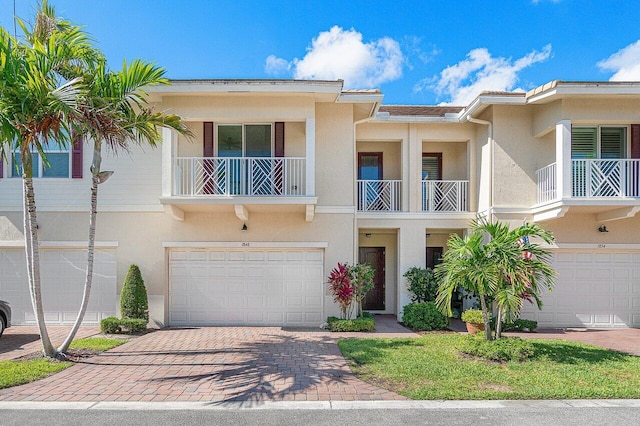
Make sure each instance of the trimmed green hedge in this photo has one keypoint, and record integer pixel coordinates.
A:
(362, 323)
(504, 349)
(424, 317)
(113, 325)
(133, 299)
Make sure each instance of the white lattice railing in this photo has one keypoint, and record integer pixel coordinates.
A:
(606, 178)
(618, 178)
(547, 188)
(445, 195)
(259, 176)
(379, 195)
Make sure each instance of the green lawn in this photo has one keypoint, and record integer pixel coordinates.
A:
(18, 372)
(431, 368)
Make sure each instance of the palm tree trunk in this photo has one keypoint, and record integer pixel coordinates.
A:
(499, 323)
(33, 258)
(95, 170)
(485, 317)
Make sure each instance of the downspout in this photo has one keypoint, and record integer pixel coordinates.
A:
(491, 154)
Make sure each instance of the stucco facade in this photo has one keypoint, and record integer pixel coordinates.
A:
(346, 179)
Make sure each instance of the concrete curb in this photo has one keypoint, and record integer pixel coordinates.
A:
(322, 405)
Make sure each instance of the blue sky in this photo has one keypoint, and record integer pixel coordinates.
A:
(417, 52)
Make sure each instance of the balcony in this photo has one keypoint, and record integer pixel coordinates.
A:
(379, 195)
(610, 188)
(238, 184)
(445, 195)
(238, 176)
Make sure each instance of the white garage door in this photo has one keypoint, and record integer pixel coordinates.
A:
(593, 289)
(62, 280)
(245, 287)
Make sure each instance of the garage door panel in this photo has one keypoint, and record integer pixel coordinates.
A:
(594, 289)
(270, 287)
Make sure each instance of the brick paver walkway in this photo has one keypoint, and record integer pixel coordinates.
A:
(213, 364)
(21, 340)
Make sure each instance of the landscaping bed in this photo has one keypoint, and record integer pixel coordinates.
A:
(432, 367)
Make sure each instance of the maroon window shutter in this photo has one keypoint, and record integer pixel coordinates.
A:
(207, 143)
(635, 141)
(279, 139)
(76, 158)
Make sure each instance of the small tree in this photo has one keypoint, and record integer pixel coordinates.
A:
(422, 284)
(341, 288)
(362, 282)
(133, 299)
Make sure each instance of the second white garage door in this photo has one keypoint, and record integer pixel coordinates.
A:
(245, 287)
(594, 288)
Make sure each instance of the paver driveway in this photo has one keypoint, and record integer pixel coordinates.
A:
(210, 364)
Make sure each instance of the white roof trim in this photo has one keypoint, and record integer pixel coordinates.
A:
(249, 86)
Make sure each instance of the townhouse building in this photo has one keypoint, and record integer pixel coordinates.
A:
(283, 179)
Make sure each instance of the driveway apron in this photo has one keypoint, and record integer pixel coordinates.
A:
(210, 364)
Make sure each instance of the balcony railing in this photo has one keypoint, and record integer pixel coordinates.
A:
(379, 195)
(445, 195)
(258, 177)
(619, 178)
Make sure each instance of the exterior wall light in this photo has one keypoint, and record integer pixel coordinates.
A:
(603, 228)
(244, 227)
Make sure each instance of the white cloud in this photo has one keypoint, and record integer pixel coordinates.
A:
(625, 63)
(341, 54)
(479, 72)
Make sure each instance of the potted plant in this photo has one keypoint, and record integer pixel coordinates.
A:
(474, 320)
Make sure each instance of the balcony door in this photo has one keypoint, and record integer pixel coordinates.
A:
(370, 183)
(241, 146)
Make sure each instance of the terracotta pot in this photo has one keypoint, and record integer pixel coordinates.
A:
(474, 328)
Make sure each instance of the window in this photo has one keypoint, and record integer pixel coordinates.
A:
(598, 142)
(58, 167)
(432, 166)
(370, 165)
(244, 140)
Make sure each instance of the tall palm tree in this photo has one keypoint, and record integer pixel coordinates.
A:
(116, 113)
(37, 101)
(496, 264)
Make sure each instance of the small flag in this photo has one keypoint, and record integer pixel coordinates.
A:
(523, 242)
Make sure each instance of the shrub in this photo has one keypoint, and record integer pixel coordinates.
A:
(133, 299)
(473, 316)
(113, 325)
(110, 325)
(363, 323)
(133, 325)
(517, 325)
(341, 289)
(502, 350)
(423, 284)
(424, 316)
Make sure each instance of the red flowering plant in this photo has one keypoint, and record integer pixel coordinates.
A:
(342, 289)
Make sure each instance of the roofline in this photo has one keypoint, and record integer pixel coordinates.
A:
(249, 85)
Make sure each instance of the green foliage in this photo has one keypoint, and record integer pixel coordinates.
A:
(517, 325)
(133, 299)
(362, 281)
(431, 367)
(14, 373)
(113, 325)
(110, 325)
(502, 350)
(422, 284)
(362, 323)
(96, 343)
(424, 316)
(473, 316)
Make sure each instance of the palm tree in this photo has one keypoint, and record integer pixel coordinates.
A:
(37, 101)
(117, 113)
(496, 264)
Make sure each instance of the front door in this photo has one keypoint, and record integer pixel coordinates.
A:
(434, 255)
(374, 256)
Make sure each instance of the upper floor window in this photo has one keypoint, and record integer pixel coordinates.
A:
(595, 142)
(57, 156)
(244, 140)
(432, 166)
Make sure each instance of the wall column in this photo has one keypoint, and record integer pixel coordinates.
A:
(563, 159)
(411, 252)
(310, 153)
(169, 148)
